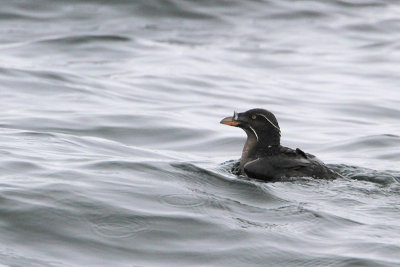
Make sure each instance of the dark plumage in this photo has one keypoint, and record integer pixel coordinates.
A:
(264, 158)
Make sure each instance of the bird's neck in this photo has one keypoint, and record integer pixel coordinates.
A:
(249, 149)
(255, 147)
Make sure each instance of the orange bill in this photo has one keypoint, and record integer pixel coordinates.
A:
(229, 121)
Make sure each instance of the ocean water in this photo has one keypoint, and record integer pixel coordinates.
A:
(111, 151)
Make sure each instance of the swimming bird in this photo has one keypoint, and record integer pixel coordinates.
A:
(264, 157)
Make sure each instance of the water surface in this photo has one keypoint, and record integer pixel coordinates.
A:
(111, 151)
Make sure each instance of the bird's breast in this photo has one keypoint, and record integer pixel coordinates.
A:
(248, 151)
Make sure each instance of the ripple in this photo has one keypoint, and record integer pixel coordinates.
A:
(118, 227)
(9, 257)
(182, 200)
(369, 142)
(9, 166)
(366, 174)
(76, 40)
(231, 166)
(244, 223)
(301, 14)
(218, 184)
(359, 4)
(175, 10)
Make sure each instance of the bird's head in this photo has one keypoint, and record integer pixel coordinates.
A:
(259, 124)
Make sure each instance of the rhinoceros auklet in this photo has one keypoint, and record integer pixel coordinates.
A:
(264, 158)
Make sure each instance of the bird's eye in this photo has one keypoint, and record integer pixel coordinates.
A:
(254, 117)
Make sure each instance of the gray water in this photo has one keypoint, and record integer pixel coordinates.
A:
(111, 151)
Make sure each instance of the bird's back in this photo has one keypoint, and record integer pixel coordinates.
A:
(287, 163)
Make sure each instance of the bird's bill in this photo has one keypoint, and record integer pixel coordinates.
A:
(229, 121)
